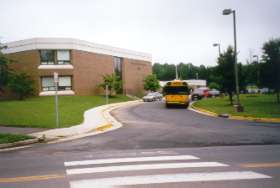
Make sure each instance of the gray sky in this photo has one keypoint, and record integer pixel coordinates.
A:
(172, 31)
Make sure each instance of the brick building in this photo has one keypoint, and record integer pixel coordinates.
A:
(79, 64)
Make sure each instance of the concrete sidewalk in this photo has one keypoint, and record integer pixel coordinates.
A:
(96, 120)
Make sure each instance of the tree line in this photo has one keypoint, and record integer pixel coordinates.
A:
(261, 73)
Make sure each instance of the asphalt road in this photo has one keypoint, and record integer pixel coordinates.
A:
(234, 157)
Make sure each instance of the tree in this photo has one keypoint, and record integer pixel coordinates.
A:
(21, 84)
(114, 83)
(270, 68)
(164, 71)
(251, 73)
(214, 85)
(225, 69)
(4, 72)
(151, 83)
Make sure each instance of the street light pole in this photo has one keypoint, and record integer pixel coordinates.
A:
(227, 12)
(258, 69)
(235, 59)
(56, 80)
(219, 47)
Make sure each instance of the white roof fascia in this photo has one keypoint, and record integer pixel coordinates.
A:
(73, 44)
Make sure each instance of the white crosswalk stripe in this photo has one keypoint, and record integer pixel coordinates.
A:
(131, 159)
(143, 167)
(159, 163)
(167, 178)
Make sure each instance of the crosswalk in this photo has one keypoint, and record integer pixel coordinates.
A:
(75, 170)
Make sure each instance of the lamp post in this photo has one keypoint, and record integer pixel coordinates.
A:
(258, 69)
(219, 47)
(257, 57)
(3, 47)
(56, 80)
(228, 12)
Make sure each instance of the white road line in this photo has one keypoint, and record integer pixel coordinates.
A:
(143, 167)
(167, 178)
(132, 159)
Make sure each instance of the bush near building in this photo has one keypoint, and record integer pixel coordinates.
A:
(151, 83)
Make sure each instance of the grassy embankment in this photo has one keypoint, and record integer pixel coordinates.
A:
(39, 112)
(11, 138)
(257, 105)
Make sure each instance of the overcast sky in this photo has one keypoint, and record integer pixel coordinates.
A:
(172, 31)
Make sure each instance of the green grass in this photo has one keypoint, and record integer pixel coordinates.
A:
(39, 112)
(258, 105)
(11, 138)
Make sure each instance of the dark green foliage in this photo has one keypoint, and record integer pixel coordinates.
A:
(151, 83)
(214, 85)
(164, 71)
(11, 138)
(21, 84)
(226, 70)
(270, 68)
(4, 71)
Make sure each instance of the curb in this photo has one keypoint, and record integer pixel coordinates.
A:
(19, 143)
(113, 124)
(241, 118)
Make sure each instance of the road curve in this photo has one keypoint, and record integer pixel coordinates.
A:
(151, 125)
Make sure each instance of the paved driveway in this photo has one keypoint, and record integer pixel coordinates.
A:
(152, 125)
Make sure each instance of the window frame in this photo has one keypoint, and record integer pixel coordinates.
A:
(47, 62)
(56, 61)
(116, 71)
(69, 88)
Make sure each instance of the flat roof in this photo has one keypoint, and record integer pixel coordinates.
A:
(73, 44)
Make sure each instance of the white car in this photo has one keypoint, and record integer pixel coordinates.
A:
(214, 92)
(150, 97)
(158, 95)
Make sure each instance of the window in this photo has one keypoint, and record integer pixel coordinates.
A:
(48, 84)
(64, 83)
(118, 66)
(53, 57)
(47, 57)
(63, 57)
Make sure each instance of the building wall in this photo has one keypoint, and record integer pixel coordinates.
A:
(134, 73)
(87, 72)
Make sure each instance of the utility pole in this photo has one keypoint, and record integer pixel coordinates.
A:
(258, 69)
(107, 93)
(239, 108)
(176, 72)
(56, 80)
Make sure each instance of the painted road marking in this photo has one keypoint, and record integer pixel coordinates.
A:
(143, 167)
(31, 178)
(133, 159)
(261, 165)
(167, 178)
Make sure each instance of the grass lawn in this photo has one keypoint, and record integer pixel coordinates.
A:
(11, 138)
(39, 112)
(256, 105)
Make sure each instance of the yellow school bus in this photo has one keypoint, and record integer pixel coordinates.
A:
(176, 93)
